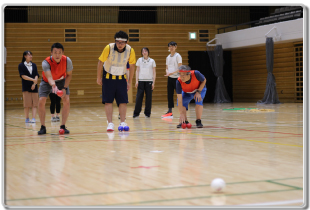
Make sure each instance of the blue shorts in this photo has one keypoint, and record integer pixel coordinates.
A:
(187, 97)
(114, 87)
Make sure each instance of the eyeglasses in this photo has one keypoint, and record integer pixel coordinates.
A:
(120, 42)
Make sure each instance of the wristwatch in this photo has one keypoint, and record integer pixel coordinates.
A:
(199, 91)
(65, 88)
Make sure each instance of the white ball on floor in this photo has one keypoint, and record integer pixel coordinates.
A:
(218, 185)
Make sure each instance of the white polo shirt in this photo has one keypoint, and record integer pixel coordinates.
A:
(173, 64)
(146, 69)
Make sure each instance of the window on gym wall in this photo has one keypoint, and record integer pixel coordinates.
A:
(134, 35)
(137, 15)
(203, 35)
(70, 35)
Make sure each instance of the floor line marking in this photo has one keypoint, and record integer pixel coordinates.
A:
(31, 130)
(164, 188)
(273, 203)
(64, 141)
(212, 137)
(24, 141)
(223, 137)
(170, 130)
(286, 185)
(201, 197)
(253, 130)
(20, 127)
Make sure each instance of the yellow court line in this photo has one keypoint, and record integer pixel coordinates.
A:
(223, 137)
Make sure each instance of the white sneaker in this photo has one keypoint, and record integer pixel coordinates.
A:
(110, 127)
(53, 119)
(123, 124)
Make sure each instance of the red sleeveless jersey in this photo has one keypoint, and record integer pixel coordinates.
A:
(192, 86)
(57, 69)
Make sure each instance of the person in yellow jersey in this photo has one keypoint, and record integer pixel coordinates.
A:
(113, 80)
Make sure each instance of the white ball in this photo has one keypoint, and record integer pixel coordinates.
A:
(218, 184)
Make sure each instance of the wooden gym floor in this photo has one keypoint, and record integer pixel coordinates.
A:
(259, 154)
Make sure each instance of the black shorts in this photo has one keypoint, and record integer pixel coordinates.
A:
(114, 87)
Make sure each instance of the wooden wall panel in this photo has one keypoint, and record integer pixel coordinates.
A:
(250, 73)
(91, 39)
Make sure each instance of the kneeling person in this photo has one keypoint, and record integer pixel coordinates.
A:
(191, 84)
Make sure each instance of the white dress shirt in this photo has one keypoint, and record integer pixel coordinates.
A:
(29, 66)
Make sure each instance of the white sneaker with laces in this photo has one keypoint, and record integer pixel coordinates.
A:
(123, 124)
(110, 127)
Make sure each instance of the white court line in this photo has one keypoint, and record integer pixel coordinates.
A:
(273, 203)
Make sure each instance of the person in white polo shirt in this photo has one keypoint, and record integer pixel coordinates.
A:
(173, 61)
(145, 82)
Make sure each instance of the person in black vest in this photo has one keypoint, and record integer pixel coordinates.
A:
(29, 73)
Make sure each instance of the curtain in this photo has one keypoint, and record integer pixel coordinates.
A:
(217, 63)
(270, 95)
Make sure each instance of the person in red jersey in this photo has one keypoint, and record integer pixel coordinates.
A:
(191, 84)
(56, 75)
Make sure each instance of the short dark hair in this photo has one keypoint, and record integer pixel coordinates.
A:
(147, 49)
(121, 34)
(172, 43)
(58, 46)
(25, 53)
